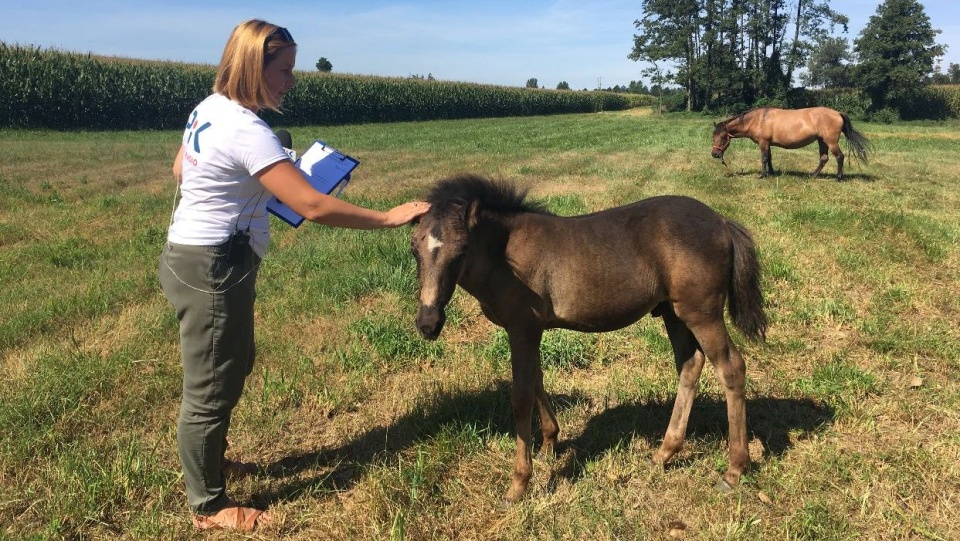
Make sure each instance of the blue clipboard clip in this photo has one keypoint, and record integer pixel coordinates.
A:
(326, 169)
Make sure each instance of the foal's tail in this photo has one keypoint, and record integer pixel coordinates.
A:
(856, 141)
(745, 297)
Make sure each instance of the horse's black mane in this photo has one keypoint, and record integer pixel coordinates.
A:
(498, 195)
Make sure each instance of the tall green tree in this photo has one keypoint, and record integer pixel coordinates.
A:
(324, 65)
(730, 52)
(830, 64)
(668, 32)
(814, 23)
(954, 72)
(896, 52)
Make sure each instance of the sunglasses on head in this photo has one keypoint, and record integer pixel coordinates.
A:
(280, 31)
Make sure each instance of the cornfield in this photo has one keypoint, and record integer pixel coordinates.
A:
(949, 95)
(60, 90)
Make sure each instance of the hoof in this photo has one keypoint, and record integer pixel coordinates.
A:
(723, 487)
(514, 493)
(547, 452)
(510, 499)
(661, 457)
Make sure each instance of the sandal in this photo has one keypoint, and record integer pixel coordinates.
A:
(232, 517)
(235, 470)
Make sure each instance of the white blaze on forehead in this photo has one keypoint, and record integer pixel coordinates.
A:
(433, 243)
(428, 289)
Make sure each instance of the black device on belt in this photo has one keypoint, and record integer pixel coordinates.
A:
(237, 249)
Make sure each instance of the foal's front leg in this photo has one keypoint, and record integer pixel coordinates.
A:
(525, 362)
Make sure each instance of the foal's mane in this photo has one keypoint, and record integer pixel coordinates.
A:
(497, 195)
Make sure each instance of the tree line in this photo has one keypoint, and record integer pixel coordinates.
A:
(733, 54)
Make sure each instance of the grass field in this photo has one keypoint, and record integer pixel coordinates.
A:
(368, 432)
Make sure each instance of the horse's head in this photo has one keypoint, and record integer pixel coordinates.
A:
(443, 237)
(721, 140)
(439, 244)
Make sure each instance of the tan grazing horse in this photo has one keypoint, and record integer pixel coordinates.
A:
(791, 128)
(672, 257)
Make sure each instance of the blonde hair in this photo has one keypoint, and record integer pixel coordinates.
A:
(247, 53)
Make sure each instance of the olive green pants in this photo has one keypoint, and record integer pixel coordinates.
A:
(213, 292)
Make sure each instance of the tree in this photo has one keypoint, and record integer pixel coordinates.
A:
(532, 83)
(324, 65)
(657, 79)
(637, 87)
(896, 50)
(730, 53)
(667, 32)
(810, 34)
(829, 65)
(938, 77)
(954, 72)
(563, 86)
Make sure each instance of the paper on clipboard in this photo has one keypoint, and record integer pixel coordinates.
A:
(326, 169)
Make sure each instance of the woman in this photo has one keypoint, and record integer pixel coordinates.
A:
(228, 166)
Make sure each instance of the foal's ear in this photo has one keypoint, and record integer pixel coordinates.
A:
(471, 213)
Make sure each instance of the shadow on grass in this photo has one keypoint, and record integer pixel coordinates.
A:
(804, 176)
(770, 420)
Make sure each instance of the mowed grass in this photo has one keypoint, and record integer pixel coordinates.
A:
(368, 432)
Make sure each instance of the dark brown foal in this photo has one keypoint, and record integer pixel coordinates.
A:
(530, 270)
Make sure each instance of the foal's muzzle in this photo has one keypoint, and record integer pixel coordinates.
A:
(717, 153)
(430, 320)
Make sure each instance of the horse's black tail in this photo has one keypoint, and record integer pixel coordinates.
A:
(746, 298)
(856, 141)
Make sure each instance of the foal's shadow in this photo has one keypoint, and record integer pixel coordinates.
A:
(770, 420)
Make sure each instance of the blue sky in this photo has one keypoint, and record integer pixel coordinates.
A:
(506, 42)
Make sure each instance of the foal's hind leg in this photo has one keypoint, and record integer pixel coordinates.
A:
(824, 157)
(731, 371)
(548, 420)
(689, 361)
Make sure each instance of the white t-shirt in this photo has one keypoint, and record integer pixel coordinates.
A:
(224, 144)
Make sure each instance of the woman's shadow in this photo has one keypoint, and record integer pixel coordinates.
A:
(769, 420)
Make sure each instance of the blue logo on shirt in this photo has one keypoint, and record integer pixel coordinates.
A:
(195, 132)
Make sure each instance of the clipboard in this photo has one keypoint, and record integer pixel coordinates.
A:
(326, 169)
